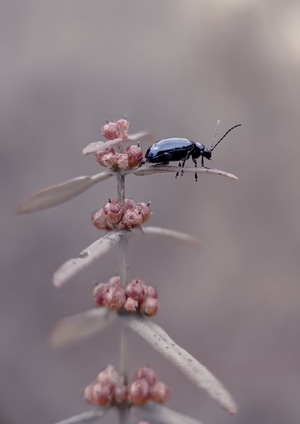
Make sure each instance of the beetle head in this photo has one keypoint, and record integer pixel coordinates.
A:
(206, 153)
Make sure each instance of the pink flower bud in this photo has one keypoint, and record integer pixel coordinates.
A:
(116, 129)
(135, 155)
(100, 155)
(103, 377)
(120, 393)
(138, 392)
(144, 210)
(87, 393)
(129, 204)
(99, 293)
(113, 211)
(151, 292)
(111, 130)
(114, 298)
(159, 392)
(131, 305)
(122, 161)
(124, 127)
(100, 221)
(123, 124)
(109, 375)
(132, 218)
(149, 306)
(102, 394)
(136, 290)
(109, 161)
(114, 281)
(145, 373)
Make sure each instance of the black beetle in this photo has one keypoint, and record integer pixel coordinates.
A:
(181, 149)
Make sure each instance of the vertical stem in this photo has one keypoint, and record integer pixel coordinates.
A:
(121, 186)
(123, 271)
(123, 414)
(124, 342)
(123, 260)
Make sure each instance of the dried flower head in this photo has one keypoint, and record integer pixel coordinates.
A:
(136, 290)
(100, 221)
(135, 155)
(137, 295)
(98, 393)
(113, 211)
(159, 392)
(131, 305)
(145, 373)
(116, 129)
(123, 124)
(144, 209)
(99, 293)
(114, 298)
(130, 215)
(132, 218)
(139, 392)
(107, 157)
(122, 161)
(149, 306)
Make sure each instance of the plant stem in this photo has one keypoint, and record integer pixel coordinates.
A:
(124, 342)
(123, 415)
(123, 271)
(121, 186)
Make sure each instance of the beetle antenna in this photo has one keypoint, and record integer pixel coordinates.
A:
(215, 134)
(230, 129)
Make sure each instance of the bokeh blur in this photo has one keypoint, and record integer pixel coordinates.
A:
(172, 67)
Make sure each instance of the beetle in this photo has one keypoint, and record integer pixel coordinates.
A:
(181, 149)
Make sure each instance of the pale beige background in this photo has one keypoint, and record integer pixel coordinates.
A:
(173, 67)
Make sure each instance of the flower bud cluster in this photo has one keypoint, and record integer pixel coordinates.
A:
(136, 296)
(145, 386)
(116, 129)
(115, 215)
(109, 388)
(120, 161)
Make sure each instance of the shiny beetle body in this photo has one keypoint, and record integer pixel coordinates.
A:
(176, 149)
(181, 149)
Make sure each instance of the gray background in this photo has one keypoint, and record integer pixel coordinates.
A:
(173, 67)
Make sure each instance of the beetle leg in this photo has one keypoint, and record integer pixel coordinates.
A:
(195, 162)
(182, 166)
(202, 163)
(183, 162)
(179, 166)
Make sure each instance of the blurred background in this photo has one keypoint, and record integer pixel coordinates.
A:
(174, 68)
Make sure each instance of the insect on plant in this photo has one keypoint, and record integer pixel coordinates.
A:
(181, 149)
(132, 302)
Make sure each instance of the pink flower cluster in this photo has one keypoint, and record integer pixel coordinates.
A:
(116, 215)
(116, 129)
(109, 387)
(137, 295)
(115, 161)
(121, 160)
